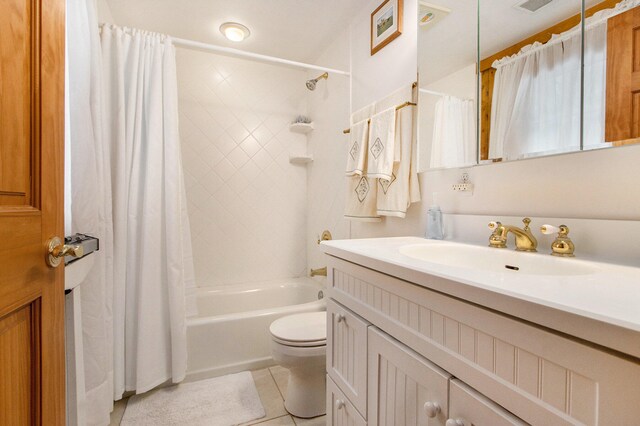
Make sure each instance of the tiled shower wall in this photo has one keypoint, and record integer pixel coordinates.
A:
(247, 203)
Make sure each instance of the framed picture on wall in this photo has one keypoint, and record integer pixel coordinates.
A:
(386, 24)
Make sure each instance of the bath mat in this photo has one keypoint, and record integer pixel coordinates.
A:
(223, 401)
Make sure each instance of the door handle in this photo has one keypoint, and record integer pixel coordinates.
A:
(57, 252)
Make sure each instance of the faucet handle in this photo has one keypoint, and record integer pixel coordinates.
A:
(547, 229)
(562, 246)
(497, 239)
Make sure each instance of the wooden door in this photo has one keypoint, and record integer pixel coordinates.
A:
(403, 387)
(622, 125)
(469, 408)
(31, 211)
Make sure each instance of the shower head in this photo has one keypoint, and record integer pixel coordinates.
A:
(311, 84)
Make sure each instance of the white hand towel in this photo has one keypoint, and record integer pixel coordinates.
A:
(362, 114)
(381, 151)
(358, 148)
(396, 194)
(361, 199)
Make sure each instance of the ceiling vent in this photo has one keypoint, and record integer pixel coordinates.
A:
(429, 14)
(532, 6)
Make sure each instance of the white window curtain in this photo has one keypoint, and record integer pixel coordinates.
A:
(128, 188)
(536, 100)
(595, 83)
(536, 95)
(454, 133)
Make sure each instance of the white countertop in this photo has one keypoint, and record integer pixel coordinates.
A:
(602, 307)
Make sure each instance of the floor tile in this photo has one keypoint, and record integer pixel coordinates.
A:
(118, 411)
(269, 396)
(281, 376)
(316, 421)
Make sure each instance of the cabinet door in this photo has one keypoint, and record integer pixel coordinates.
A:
(469, 408)
(404, 388)
(347, 353)
(340, 411)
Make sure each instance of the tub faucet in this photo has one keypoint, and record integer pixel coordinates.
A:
(525, 241)
(320, 271)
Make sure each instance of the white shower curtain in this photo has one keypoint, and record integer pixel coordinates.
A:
(152, 247)
(454, 133)
(128, 188)
(91, 206)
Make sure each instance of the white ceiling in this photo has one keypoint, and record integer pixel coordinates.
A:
(293, 29)
(452, 42)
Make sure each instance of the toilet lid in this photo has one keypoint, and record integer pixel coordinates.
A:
(307, 327)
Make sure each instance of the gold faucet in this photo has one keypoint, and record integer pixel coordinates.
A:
(525, 241)
(320, 271)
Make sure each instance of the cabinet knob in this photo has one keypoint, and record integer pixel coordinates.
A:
(454, 422)
(432, 409)
(339, 404)
(340, 318)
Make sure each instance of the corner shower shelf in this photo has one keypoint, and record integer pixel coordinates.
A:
(300, 160)
(303, 128)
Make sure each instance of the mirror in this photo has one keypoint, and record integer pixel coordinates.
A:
(533, 99)
(447, 84)
(611, 74)
(530, 78)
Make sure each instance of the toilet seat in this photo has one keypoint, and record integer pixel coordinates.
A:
(300, 330)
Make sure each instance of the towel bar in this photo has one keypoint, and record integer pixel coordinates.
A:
(345, 131)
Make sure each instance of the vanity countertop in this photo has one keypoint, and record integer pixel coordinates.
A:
(602, 306)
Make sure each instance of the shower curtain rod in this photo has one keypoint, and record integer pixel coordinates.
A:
(237, 52)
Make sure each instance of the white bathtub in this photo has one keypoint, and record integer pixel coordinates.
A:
(231, 331)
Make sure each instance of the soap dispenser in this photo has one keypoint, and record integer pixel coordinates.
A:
(435, 227)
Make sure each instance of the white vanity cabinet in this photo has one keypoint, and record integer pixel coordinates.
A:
(347, 354)
(432, 359)
(468, 408)
(404, 388)
(340, 411)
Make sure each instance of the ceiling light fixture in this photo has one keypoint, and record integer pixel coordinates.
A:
(234, 31)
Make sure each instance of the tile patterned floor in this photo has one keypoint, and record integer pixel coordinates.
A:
(272, 385)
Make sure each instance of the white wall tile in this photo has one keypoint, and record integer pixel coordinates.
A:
(247, 204)
(238, 157)
(250, 146)
(262, 134)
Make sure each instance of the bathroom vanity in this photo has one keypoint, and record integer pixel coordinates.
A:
(458, 339)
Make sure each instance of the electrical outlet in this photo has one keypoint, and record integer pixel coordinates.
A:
(463, 187)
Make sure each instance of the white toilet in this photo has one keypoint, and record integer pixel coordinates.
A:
(299, 342)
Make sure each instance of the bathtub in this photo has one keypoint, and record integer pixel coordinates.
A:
(230, 333)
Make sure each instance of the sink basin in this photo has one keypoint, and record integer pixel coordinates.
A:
(496, 260)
